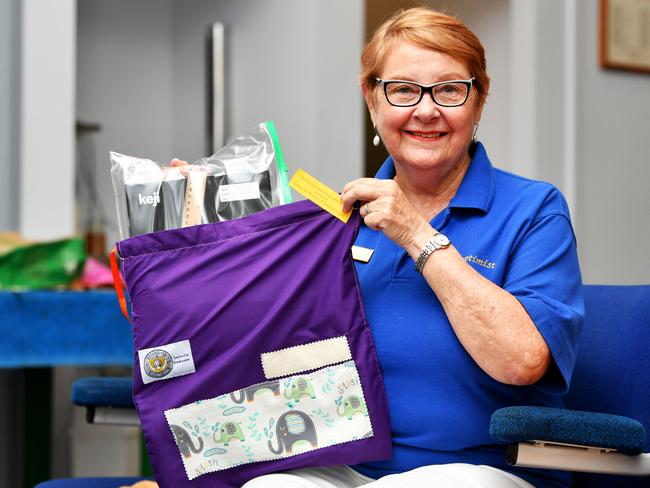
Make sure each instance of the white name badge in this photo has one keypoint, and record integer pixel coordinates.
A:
(361, 254)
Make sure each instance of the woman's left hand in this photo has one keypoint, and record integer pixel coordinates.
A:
(384, 207)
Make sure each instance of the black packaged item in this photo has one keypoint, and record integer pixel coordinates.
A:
(245, 176)
(153, 196)
(225, 200)
(142, 204)
(141, 196)
(172, 194)
(214, 210)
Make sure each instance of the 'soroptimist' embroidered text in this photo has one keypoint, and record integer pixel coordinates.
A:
(481, 262)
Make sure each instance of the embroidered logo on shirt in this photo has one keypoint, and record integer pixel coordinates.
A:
(481, 262)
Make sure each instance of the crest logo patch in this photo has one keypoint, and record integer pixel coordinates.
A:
(158, 363)
(166, 361)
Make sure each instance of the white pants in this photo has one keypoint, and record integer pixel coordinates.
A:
(436, 476)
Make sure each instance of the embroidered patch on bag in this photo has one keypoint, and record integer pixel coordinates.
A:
(165, 362)
(272, 420)
(305, 357)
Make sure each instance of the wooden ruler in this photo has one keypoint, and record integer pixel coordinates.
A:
(194, 195)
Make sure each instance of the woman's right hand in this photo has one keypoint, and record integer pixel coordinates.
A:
(385, 207)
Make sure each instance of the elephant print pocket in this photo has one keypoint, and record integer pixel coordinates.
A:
(272, 420)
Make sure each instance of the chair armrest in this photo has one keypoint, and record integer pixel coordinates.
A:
(521, 424)
(571, 440)
(108, 400)
(103, 391)
(577, 458)
(126, 417)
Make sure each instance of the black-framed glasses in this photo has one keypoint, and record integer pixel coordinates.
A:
(451, 93)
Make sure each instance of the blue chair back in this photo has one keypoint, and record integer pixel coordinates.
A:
(612, 372)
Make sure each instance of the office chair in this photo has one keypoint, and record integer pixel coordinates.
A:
(611, 378)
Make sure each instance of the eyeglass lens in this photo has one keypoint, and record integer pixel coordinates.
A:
(449, 94)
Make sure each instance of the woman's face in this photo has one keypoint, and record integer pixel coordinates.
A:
(425, 136)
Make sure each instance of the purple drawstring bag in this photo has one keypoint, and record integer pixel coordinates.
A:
(253, 354)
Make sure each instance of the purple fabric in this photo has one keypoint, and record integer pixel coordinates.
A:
(236, 289)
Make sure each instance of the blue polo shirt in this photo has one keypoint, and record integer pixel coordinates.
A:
(515, 232)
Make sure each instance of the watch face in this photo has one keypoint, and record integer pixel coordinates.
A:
(441, 240)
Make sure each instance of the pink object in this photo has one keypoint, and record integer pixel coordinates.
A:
(96, 274)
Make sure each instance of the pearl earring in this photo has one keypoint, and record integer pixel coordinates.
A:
(376, 140)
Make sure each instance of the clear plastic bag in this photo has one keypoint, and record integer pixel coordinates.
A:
(245, 176)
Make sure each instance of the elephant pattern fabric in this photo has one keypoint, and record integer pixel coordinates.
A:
(277, 419)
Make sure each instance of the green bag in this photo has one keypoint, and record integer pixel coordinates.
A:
(42, 265)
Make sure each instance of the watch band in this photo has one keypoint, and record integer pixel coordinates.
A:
(431, 246)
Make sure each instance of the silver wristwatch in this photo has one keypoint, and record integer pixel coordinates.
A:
(438, 241)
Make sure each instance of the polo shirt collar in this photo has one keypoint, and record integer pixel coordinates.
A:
(476, 191)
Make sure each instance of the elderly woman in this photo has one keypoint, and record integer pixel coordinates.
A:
(473, 291)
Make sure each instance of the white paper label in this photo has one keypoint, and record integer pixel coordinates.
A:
(164, 362)
(239, 191)
(305, 357)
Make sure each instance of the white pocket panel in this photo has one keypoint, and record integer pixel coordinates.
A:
(271, 420)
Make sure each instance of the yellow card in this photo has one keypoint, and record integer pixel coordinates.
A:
(320, 194)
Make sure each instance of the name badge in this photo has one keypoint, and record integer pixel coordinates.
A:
(362, 254)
